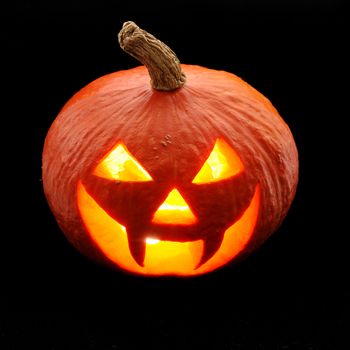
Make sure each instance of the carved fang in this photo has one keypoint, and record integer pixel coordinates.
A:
(137, 247)
(211, 245)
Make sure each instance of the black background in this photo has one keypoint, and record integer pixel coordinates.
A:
(291, 293)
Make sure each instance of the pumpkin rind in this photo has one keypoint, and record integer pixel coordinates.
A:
(169, 130)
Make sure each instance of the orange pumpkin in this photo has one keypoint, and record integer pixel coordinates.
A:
(177, 176)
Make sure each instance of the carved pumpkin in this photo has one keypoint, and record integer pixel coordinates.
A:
(177, 176)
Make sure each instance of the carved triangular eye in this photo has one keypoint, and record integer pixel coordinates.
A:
(120, 165)
(222, 163)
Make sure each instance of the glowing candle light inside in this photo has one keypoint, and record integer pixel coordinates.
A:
(152, 240)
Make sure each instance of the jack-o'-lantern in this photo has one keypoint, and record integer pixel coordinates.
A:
(179, 175)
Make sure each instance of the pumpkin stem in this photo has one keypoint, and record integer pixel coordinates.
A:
(163, 66)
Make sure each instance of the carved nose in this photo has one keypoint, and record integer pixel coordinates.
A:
(174, 211)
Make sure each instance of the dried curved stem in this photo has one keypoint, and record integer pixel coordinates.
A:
(163, 66)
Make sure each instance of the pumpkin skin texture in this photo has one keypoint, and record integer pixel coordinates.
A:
(167, 137)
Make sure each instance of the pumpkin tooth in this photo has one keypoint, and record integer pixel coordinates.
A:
(137, 247)
(211, 245)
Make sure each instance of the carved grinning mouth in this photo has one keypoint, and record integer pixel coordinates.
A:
(163, 257)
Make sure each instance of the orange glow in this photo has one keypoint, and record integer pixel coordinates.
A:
(174, 210)
(163, 257)
(119, 164)
(152, 240)
(222, 163)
